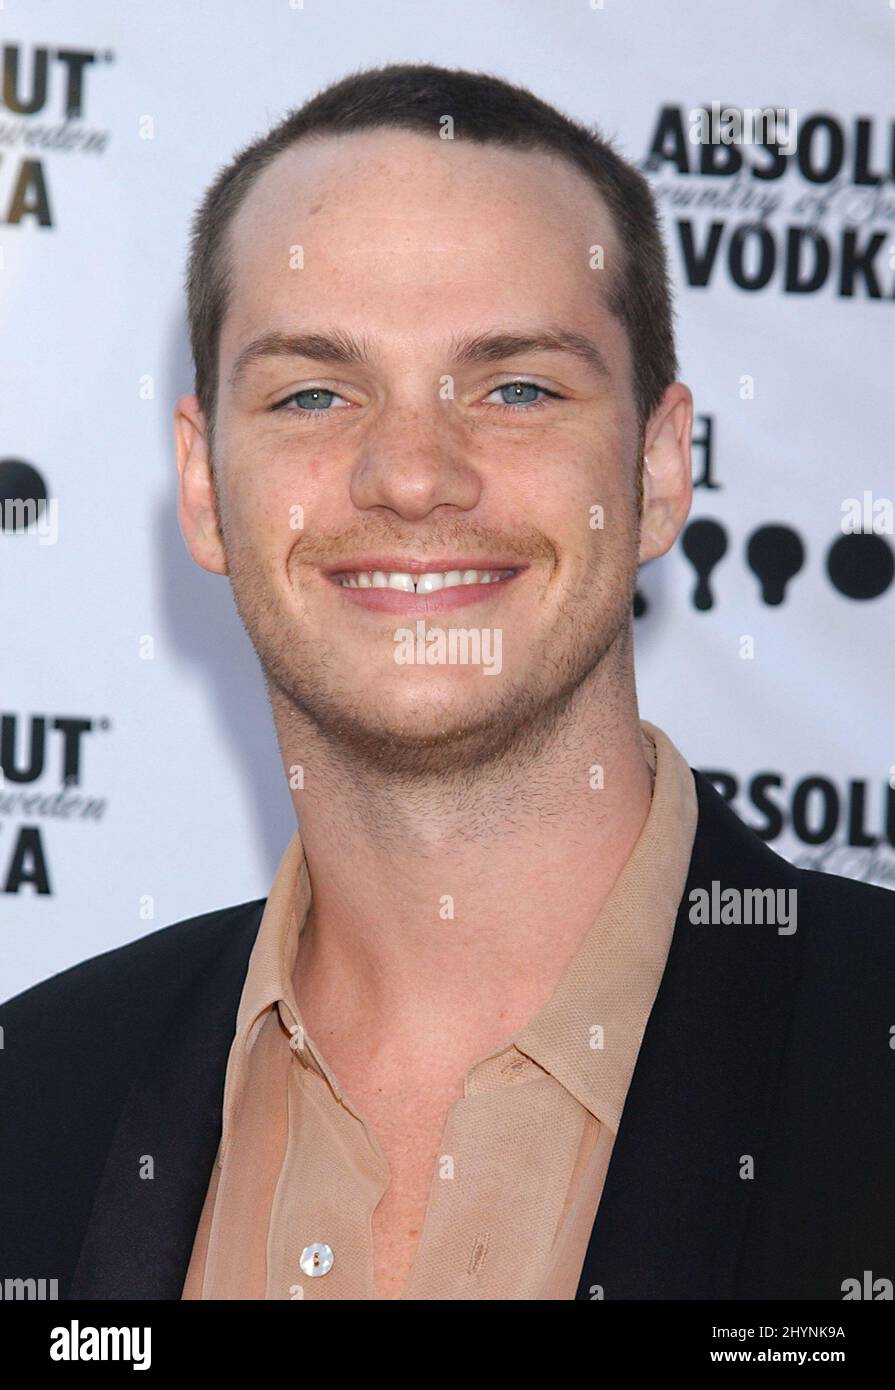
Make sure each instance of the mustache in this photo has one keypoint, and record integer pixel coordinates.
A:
(524, 543)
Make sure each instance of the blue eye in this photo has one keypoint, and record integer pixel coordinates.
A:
(517, 402)
(524, 397)
(312, 399)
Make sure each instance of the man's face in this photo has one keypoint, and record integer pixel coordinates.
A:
(428, 457)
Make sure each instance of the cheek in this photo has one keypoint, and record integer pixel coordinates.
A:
(262, 496)
(608, 496)
(286, 485)
(595, 535)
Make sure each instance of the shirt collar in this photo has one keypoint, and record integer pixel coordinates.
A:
(272, 963)
(268, 981)
(589, 1032)
(609, 985)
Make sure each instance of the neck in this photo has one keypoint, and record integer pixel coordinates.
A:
(443, 914)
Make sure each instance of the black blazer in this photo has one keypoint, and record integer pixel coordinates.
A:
(763, 1044)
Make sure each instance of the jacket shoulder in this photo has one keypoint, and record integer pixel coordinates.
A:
(838, 914)
(170, 955)
(872, 904)
(848, 932)
(75, 1046)
(89, 1027)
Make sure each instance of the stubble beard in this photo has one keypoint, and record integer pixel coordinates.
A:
(590, 639)
(593, 638)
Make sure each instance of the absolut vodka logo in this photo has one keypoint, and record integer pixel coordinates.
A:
(840, 826)
(44, 112)
(806, 207)
(44, 761)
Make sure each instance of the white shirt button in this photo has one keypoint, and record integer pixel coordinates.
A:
(316, 1259)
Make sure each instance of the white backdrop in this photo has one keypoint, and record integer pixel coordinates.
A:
(176, 803)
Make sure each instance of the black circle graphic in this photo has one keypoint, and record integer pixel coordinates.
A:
(861, 565)
(23, 493)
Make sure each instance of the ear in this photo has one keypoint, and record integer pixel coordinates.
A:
(667, 472)
(196, 504)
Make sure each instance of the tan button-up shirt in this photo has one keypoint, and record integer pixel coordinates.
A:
(525, 1149)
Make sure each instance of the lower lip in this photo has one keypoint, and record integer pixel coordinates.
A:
(441, 601)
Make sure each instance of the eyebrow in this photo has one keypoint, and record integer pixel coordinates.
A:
(344, 349)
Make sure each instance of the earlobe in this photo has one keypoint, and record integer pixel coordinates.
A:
(197, 505)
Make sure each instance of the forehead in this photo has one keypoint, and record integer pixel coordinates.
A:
(408, 228)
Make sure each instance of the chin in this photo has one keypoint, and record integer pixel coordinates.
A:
(421, 727)
(424, 754)
(422, 742)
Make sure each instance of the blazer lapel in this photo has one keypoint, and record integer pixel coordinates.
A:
(676, 1196)
(675, 1201)
(140, 1235)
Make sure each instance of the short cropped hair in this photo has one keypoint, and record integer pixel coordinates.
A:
(486, 110)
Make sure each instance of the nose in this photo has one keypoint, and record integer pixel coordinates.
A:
(412, 461)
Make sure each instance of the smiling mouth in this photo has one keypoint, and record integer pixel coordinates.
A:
(430, 582)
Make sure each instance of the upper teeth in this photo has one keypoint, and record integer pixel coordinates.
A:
(420, 583)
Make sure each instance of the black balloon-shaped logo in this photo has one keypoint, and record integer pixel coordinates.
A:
(704, 543)
(775, 554)
(23, 494)
(860, 565)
